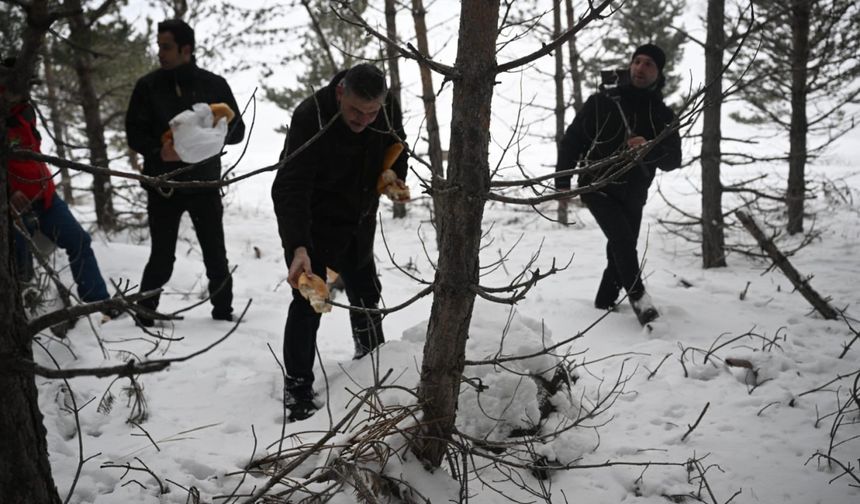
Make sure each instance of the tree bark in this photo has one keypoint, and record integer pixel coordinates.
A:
(428, 95)
(460, 201)
(81, 35)
(573, 55)
(713, 237)
(25, 471)
(398, 209)
(559, 97)
(800, 13)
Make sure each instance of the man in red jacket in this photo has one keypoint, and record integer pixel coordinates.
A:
(37, 207)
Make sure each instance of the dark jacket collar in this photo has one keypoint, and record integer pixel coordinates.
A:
(182, 75)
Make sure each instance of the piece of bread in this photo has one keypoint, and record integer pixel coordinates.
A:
(220, 110)
(391, 155)
(386, 178)
(397, 193)
(387, 182)
(314, 289)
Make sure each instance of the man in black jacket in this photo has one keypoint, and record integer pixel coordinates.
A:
(325, 198)
(157, 97)
(609, 122)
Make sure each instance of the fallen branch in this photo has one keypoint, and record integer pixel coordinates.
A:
(782, 262)
(696, 424)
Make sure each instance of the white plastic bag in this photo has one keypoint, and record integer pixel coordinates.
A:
(194, 136)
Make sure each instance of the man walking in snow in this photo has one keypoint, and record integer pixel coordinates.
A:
(610, 122)
(326, 199)
(157, 97)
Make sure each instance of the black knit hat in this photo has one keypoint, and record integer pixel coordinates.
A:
(653, 52)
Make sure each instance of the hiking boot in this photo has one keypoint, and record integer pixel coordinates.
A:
(644, 309)
(109, 314)
(300, 402)
(224, 315)
(141, 320)
(302, 410)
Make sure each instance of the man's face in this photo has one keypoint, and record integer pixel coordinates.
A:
(357, 112)
(643, 71)
(171, 55)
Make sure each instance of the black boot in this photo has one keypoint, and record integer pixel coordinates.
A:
(644, 309)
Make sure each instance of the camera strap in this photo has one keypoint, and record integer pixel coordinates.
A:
(617, 101)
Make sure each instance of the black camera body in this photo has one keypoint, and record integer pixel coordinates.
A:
(611, 80)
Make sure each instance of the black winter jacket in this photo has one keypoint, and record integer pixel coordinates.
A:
(157, 97)
(326, 195)
(598, 132)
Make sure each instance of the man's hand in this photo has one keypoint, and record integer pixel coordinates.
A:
(168, 152)
(301, 264)
(19, 202)
(636, 141)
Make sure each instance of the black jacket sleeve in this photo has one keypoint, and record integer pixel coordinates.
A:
(574, 143)
(293, 185)
(139, 122)
(666, 155)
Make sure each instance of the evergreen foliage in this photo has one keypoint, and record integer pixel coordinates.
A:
(121, 56)
(347, 44)
(639, 22)
(11, 28)
(833, 68)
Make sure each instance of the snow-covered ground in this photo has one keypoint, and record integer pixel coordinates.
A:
(208, 417)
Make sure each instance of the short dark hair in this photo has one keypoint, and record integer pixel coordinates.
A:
(183, 34)
(366, 81)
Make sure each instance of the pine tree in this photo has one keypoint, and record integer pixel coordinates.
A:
(645, 21)
(804, 74)
(329, 45)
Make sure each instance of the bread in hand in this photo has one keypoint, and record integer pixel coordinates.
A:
(386, 178)
(314, 289)
(398, 192)
(220, 110)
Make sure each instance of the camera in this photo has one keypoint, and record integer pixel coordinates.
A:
(611, 80)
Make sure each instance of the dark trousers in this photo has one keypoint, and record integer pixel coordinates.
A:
(618, 212)
(59, 225)
(300, 333)
(206, 214)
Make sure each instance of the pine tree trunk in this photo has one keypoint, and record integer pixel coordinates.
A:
(59, 131)
(800, 13)
(25, 471)
(713, 238)
(398, 209)
(575, 73)
(81, 34)
(559, 98)
(428, 95)
(459, 201)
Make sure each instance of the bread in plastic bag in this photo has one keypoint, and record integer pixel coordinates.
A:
(194, 136)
